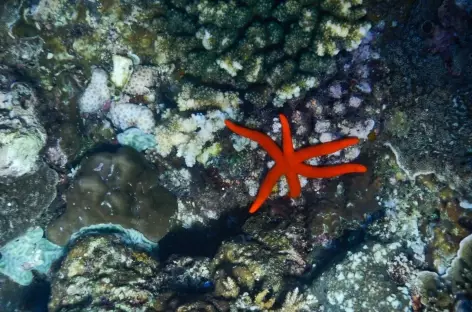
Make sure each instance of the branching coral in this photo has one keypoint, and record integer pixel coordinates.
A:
(191, 137)
(260, 43)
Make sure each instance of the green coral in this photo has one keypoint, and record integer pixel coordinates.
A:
(263, 46)
(246, 46)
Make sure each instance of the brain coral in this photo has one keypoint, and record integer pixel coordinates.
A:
(119, 188)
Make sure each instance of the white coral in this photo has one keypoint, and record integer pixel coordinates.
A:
(126, 115)
(197, 98)
(142, 80)
(96, 93)
(189, 136)
(122, 70)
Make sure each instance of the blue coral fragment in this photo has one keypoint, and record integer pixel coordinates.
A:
(28, 252)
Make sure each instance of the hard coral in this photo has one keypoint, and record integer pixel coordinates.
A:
(239, 42)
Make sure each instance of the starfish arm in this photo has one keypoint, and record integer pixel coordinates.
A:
(328, 171)
(262, 139)
(294, 184)
(266, 187)
(324, 149)
(287, 143)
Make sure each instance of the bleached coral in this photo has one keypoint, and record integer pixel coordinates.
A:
(338, 35)
(21, 135)
(297, 301)
(126, 115)
(122, 70)
(145, 78)
(142, 80)
(239, 142)
(189, 136)
(5, 100)
(293, 90)
(286, 93)
(231, 66)
(346, 9)
(186, 215)
(96, 93)
(19, 151)
(196, 98)
(360, 129)
(206, 37)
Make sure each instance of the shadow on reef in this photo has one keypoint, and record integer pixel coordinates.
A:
(339, 247)
(33, 298)
(202, 241)
(100, 148)
(195, 241)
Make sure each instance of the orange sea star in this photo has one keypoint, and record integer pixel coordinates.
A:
(289, 162)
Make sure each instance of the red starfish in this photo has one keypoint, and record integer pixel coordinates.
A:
(289, 162)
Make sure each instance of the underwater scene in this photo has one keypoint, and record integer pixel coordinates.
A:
(235, 155)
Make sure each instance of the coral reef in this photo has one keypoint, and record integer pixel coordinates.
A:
(122, 71)
(264, 50)
(359, 282)
(192, 137)
(430, 104)
(99, 273)
(126, 115)
(137, 139)
(240, 56)
(161, 77)
(21, 136)
(28, 252)
(25, 201)
(459, 273)
(96, 94)
(102, 272)
(431, 291)
(442, 292)
(118, 188)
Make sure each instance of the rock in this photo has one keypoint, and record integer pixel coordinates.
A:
(360, 282)
(99, 274)
(21, 135)
(25, 200)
